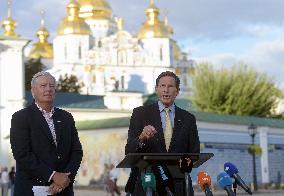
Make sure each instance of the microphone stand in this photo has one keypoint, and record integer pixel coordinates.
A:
(187, 187)
(235, 185)
(169, 193)
(149, 192)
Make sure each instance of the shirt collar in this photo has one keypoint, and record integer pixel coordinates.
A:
(162, 107)
(45, 112)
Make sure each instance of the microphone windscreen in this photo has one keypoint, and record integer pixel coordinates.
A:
(148, 181)
(203, 178)
(223, 180)
(163, 179)
(185, 164)
(230, 169)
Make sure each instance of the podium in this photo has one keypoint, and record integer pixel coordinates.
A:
(144, 161)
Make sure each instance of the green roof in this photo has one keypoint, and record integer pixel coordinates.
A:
(73, 100)
(103, 124)
(200, 116)
(239, 120)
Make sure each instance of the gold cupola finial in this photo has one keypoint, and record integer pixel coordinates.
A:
(120, 23)
(42, 49)
(9, 24)
(166, 22)
(9, 8)
(42, 33)
(42, 12)
(153, 27)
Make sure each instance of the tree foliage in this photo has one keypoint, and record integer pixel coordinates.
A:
(32, 66)
(239, 91)
(152, 98)
(256, 149)
(68, 83)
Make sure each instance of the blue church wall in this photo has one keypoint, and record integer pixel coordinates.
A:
(227, 146)
(235, 136)
(236, 154)
(276, 162)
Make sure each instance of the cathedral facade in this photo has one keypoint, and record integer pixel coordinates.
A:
(93, 45)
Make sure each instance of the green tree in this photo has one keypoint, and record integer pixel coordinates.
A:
(239, 91)
(32, 66)
(149, 99)
(69, 83)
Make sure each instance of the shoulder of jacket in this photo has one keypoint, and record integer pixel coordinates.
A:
(146, 107)
(61, 111)
(185, 112)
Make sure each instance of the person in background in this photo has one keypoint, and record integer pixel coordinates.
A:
(44, 142)
(5, 181)
(12, 175)
(161, 127)
(113, 175)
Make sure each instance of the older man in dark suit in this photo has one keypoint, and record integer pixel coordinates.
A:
(162, 127)
(44, 143)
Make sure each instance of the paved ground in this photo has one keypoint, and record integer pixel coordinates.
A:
(218, 193)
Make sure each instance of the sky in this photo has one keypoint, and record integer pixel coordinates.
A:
(222, 32)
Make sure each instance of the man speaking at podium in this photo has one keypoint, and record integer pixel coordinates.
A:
(161, 127)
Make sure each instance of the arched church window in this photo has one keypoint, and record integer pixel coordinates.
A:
(99, 43)
(122, 82)
(65, 51)
(161, 53)
(94, 78)
(80, 51)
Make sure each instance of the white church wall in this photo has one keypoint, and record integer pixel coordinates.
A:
(71, 49)
(123, 100)
(11, 90)
(159, 51)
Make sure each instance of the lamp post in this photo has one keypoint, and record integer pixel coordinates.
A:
(252, 129)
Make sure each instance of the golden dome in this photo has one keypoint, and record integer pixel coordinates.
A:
(95, 9)
(9, 24)
(9, 27)
(153, 27)
(72, 24)
(42, 49)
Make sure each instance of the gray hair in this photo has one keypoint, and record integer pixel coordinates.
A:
(39, 74)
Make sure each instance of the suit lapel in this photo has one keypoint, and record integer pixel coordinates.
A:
(176, 128)
(41, 121)
(155, 119)
(57, 124)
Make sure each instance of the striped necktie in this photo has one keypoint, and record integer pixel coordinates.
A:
(168, 129)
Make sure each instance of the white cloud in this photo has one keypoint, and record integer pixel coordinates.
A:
(266, 57)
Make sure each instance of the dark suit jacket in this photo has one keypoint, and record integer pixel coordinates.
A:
(184, 139)
(36, 154)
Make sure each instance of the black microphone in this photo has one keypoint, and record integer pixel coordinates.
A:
(185, 166)
(232, 171)
(130, 185)
(164, 180)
